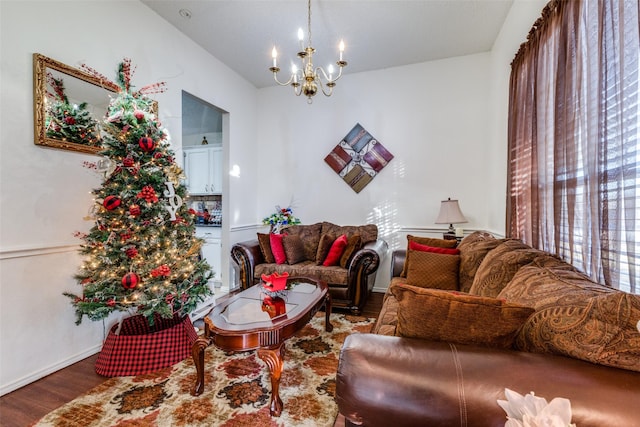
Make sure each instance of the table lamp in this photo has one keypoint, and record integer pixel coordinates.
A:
(450, 214)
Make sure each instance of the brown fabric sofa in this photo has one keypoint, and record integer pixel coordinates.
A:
(349, 283)
(578, 340)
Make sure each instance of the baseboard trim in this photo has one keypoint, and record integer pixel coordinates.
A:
(379, 289)
(28, 379)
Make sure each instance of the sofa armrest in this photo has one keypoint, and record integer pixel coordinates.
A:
(362, 271)
(367, 259)
(247, 255)
(385, 380)
(397, 262)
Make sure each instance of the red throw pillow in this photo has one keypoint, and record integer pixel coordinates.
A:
(425, 248)
(337, 248)
(277, 248)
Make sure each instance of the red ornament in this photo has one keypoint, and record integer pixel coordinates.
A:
(131, 252)
(139, 115)
(163, 271)
(134, 210)
(157, 155)
(146, 144)
(70, 120)
(111, 302)
(127, 162)
(111, 202)
(130, 280)
(148, 193)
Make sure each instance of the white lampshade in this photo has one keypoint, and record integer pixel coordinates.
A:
(450, 213)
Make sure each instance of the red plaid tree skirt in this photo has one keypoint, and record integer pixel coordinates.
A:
(140, 348)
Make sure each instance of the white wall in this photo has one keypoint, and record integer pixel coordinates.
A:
(432, 117)
(45, 192)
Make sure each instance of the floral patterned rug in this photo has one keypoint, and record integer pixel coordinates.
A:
(237, 388)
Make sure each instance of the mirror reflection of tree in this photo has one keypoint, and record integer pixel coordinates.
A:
(66, 120)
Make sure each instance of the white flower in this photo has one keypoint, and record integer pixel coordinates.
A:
(532, 411)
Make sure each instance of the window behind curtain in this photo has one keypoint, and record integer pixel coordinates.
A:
(574, 135)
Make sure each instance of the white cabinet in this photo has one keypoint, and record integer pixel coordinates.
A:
(212, 251)
(203, 168)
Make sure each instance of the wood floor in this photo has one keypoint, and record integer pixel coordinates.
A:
(30, 403)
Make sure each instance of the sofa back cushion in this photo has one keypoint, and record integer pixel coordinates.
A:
(473, 249)
(575, 316)
(310, 237)
(500, 265)
(368, 233)
(458, 318)
(549, 282)
(600, 330)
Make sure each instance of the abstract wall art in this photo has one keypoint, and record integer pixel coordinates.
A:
(358, 158)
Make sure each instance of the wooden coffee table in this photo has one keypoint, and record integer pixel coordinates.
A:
(248, 321)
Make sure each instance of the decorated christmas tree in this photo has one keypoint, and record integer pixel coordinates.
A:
(66, 121)
(141, 255)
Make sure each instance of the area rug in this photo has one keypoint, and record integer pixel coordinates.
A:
(237, 388)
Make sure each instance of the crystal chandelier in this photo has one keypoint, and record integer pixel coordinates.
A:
(307, 79)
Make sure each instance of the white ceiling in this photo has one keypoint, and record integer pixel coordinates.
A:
(378, 34)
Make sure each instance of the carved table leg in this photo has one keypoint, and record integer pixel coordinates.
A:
(197, 352)
(327, 309)
(274, 358)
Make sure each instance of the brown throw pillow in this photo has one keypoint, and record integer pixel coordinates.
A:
(265, 248)
(353, 245)
(457, 318)
(429, 241)
(432, 270)
(294, 249)
(326, 240)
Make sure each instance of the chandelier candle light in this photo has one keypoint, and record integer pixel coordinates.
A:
(306, 80)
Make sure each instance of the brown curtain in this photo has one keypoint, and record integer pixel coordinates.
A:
(574, 135)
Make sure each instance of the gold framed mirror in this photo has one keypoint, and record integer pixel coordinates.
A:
(69, 105)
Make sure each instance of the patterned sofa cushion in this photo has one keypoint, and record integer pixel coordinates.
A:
(549, 282)
(575, 316)
(473, 249)
(310, 237)
(500, 265)
(388, 318)
(601, 330)
(334, 275)
(368, 233)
